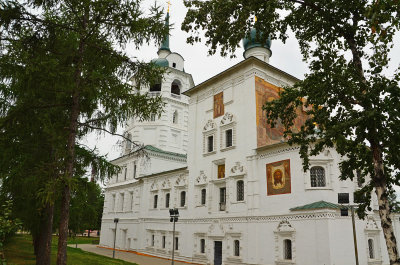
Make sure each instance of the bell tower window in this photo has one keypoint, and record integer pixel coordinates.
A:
(176, 87)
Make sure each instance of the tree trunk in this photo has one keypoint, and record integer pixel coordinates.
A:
(69, 172)
(42, 239)
(70, 164)
(383, 202)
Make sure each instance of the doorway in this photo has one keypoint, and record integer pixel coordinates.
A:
(217, 252)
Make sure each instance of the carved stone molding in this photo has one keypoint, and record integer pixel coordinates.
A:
(227, 119)
(210, 125)
(237, 170)
(154, 186)
(180, 181)
(201, 179)
(166, 185)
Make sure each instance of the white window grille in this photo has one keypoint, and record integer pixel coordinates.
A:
(317, 176)
(240, 190)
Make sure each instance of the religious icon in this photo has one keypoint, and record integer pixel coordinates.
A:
(221, 171)
(218, 105)
(278, 178)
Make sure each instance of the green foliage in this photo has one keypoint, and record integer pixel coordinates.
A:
(86, 207)
(8, 225)
(63, 75)
(19, 250)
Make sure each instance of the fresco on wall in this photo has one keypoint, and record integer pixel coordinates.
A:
(218, 105)
(278, 178)
(265, 134)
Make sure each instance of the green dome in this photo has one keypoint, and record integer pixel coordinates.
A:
(253, 42)
(162, 62)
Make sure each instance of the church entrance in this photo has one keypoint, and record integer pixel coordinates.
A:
(217, 252)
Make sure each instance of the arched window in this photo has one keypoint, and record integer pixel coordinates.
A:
(317, 175)
(183, 198)
(202, 245)
(371, 252)
(236, 248)
(175, 117)
(287, 249)
(175, 87)
(167, 200)
(155, 201)
(203, 196)
(240, 190)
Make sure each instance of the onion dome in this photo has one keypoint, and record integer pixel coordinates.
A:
(162, 62)
(252, 42)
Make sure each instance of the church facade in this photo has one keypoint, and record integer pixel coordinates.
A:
(241, 191)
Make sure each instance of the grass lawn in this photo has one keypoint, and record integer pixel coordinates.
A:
(19, 250)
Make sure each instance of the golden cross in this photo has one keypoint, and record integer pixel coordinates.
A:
(169, 4)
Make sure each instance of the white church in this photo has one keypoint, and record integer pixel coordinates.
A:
(241, 192)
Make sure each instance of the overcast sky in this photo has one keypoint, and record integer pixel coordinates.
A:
(286, 57)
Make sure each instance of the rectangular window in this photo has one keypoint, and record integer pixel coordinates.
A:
(183, 198)
(126, 171)
(121, 206)
(163, 242)
(240, 190)
(210, 143)
(222, 199)
(176, 243)
(113, 203)
(221, 171)
(167, 200)
(152, 240)
(155, 201)
(287, 249)
(203, 196)
(131, 195)
(134, 170)
(237, 248)
(228, 138)
(202, 245)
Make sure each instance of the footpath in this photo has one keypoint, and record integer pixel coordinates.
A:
(140, 259)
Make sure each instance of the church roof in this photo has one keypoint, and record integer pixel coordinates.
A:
(158, 150)
(316, 206)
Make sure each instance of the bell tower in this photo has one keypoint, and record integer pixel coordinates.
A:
(168, 131)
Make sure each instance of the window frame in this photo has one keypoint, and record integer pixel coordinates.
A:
(316, 177)
(327, 165)
(203, 196)
(155, 201)
(236, 248)
(238, 197)
(182, 198)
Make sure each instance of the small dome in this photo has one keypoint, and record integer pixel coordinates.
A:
(162, 62)
(252, 42)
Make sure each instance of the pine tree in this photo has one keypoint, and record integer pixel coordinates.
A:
(73, 79)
